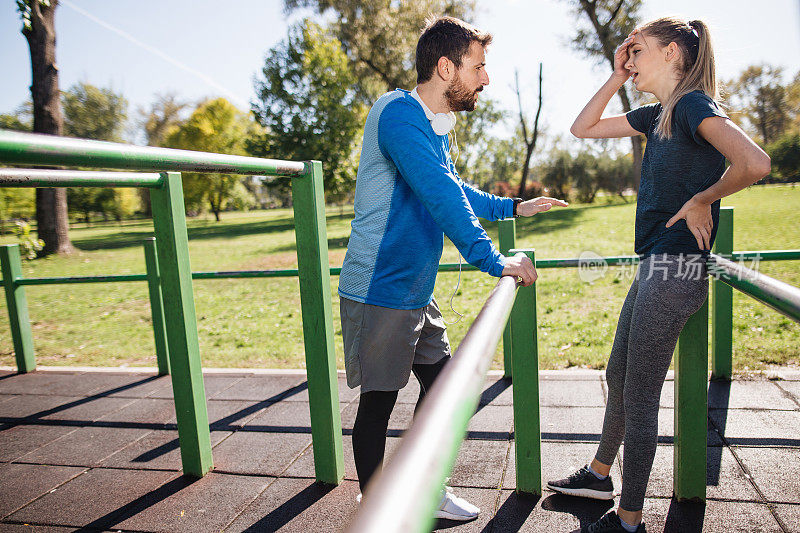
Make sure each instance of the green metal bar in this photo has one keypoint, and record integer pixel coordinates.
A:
(767, 255)
(18, 177)
(21, 333)
(169, 221)
(781, 296)
(722, 305)
(403, 496)
(691, 408)
(82, 279)
(315, 299)
(48, 150)
(525, 360)
(156, 306)
(508, 240)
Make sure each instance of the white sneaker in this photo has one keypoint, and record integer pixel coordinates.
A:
(454, 508)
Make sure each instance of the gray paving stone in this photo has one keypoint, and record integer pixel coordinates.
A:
(724, 478)
(84, 410)
(47, 383)
(790, 515)
(228, 415)
(756, 394)
(214, 385)
(142, 387)
(259, 453)
(24, 405)
(20, 440)
(571, 394)
(559, 459)
(304, 465)
(716, 516)
(87, 446)
(294, 417)
(491, 422)
(578, 424)
(263, 387)
(88, 500)
(742, 427)
(107, 383)
(776, 471)
(299, 505)
(28, 528)
(158, 450)
(792, 388)
(480, 464)
(22, 484)
(553, 512)
(346, 394)
(142, 413)
(207, 504)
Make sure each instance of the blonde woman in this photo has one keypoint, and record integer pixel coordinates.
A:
(689, 137)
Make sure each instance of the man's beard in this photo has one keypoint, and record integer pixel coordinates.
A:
(459, 97)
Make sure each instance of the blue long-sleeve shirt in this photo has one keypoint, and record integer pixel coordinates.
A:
(408, 196)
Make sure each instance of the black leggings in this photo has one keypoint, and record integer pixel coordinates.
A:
(372, 421)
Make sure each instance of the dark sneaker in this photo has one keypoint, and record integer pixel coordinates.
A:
(609, 524)
(585, 484)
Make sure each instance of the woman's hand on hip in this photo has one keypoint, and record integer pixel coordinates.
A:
(697, 215)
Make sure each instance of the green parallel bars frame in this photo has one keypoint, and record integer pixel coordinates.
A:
(507, 239)
(315, 302)
(169, 221)
(525, 362)
(21, 334)
(722, 304)
(691, 409)
(156, 306)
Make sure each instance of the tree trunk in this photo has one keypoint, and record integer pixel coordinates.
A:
(636, 142)
(530, 144)
(51, 204)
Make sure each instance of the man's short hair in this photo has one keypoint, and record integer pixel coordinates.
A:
(445, 37)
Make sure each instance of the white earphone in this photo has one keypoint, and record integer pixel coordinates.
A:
(442, 123)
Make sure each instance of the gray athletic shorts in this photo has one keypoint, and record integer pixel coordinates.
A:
(381, 344)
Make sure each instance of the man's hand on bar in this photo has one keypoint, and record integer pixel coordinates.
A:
(522, 268)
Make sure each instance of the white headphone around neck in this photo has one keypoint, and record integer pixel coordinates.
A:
(442, 123)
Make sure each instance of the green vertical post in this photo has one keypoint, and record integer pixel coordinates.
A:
(156, 306)
(17, 304)
(722, 305)
(315, 300)
(525, 362)
(508, 241)
(169, 221)
(691, 408)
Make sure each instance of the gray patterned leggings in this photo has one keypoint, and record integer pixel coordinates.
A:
(661, 299)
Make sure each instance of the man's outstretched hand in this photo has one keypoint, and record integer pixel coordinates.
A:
(529, 208)
(522, 268)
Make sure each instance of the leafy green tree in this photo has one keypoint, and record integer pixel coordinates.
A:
(39, 29)
(157, 122)
(379, 37)
(583, 175)
(94, 113)
(215, 126)
(558, 174)
(474, 142)
(308, 107)
(761, 98)
(613, 174)
(602, 26)
(785, 155)
(100, 114)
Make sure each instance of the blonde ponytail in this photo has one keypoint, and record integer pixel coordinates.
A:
(697, 68)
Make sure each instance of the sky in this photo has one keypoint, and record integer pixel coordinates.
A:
(204, 48)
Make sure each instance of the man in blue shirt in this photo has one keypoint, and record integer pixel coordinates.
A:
(408, 197)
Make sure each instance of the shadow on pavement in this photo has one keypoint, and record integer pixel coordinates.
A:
(585, 510)
(685, 517)
(291, 508)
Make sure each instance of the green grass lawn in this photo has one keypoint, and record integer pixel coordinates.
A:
(256, 323)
